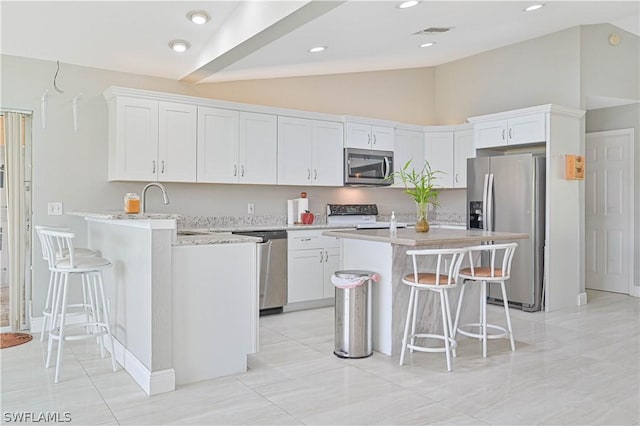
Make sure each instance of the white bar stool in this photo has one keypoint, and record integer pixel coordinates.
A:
(52, 289)
(90, 269)
(499, 257)
(439, 282)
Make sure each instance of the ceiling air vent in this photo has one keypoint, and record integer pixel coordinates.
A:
(433, 30)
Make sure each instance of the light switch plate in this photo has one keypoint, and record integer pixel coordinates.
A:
(54, 208)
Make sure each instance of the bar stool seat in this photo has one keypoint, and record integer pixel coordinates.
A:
(90, 269)
(52, 289)
(440, 281)
(499, 271)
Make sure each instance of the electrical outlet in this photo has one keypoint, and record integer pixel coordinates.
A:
(54, 208)
(251, 208)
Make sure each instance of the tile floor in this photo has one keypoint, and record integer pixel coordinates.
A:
(576, 366)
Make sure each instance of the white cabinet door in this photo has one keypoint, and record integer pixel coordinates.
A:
(439, 154)
(382, 138)
(527, 129)
(409, 145)
(258, 149)
(217, 145)
(306, 275)
(294, 151)
(176, 142)
(490, 134)
(327, 153)
(462, 150)
(135, 133)
(331, 265)
(358, 135)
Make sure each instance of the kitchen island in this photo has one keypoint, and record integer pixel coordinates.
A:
(182, 308)
(375, 250)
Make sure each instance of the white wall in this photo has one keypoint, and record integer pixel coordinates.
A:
(545, 70)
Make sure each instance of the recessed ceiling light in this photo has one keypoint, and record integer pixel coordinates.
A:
(408, 4)
(429, 44)
(317, 49)
(179, 46)
(534, 7)
(198, 17)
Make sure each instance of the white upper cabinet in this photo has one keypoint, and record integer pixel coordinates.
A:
(439, 154)
(516, 130)
(409, 145)
(327, 153)
(309, 152)
(176, 142)
(258, 150)
(217, 145)
(151, 140)
(366, 136)
(236, 147)
(462, 150)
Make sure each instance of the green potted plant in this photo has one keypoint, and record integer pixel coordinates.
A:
(420, 185)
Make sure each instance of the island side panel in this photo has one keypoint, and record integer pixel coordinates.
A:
(376, 257)
(127, 284)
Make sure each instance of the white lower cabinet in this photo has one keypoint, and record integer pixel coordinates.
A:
(312, 260)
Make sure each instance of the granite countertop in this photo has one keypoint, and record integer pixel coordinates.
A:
(213, 238)
(120, 215)
(436, 236)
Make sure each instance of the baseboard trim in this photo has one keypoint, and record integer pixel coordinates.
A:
(582, 299)
(635, 290)
(152, 383)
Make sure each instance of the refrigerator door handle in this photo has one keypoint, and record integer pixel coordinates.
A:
(484, 202)
(489, 218)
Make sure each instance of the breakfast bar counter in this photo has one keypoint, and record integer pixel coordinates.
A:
(375, 250)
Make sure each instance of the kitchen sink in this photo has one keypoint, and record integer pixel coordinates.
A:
(193, 232)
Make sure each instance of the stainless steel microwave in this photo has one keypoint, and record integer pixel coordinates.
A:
(367, 167)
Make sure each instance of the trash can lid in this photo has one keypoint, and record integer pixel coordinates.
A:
(354, 274)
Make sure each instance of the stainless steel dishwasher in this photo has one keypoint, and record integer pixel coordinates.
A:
(272, 267)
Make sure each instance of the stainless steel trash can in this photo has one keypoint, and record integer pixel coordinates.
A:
(353, 314)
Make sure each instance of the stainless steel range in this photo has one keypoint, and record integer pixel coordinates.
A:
(360, 216)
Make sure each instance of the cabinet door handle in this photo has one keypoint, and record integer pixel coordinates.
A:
(456, 178)
(154, 166)
(235, 170)
(326, 256)
(305, 239)
(510, 133)
(374, 138)
(502, 134)
(308, 174)
(242, 172)
(315, 174)
(162, 166)
(369, 139)
(321, 253)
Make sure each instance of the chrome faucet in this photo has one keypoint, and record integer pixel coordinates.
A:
(165, 198)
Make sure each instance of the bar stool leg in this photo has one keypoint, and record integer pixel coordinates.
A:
(55, 315)
(448, 311)
(458, 308)
(61, 328)
(406, 324)
(483, 322)
(98, 313)
(413, 321)
(105, 316)
(47, 306)
(445, 328)
(506, 312)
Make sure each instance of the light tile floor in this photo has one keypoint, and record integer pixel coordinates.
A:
(575, 366)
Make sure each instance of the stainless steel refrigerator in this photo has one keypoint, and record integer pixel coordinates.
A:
(507, 193)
